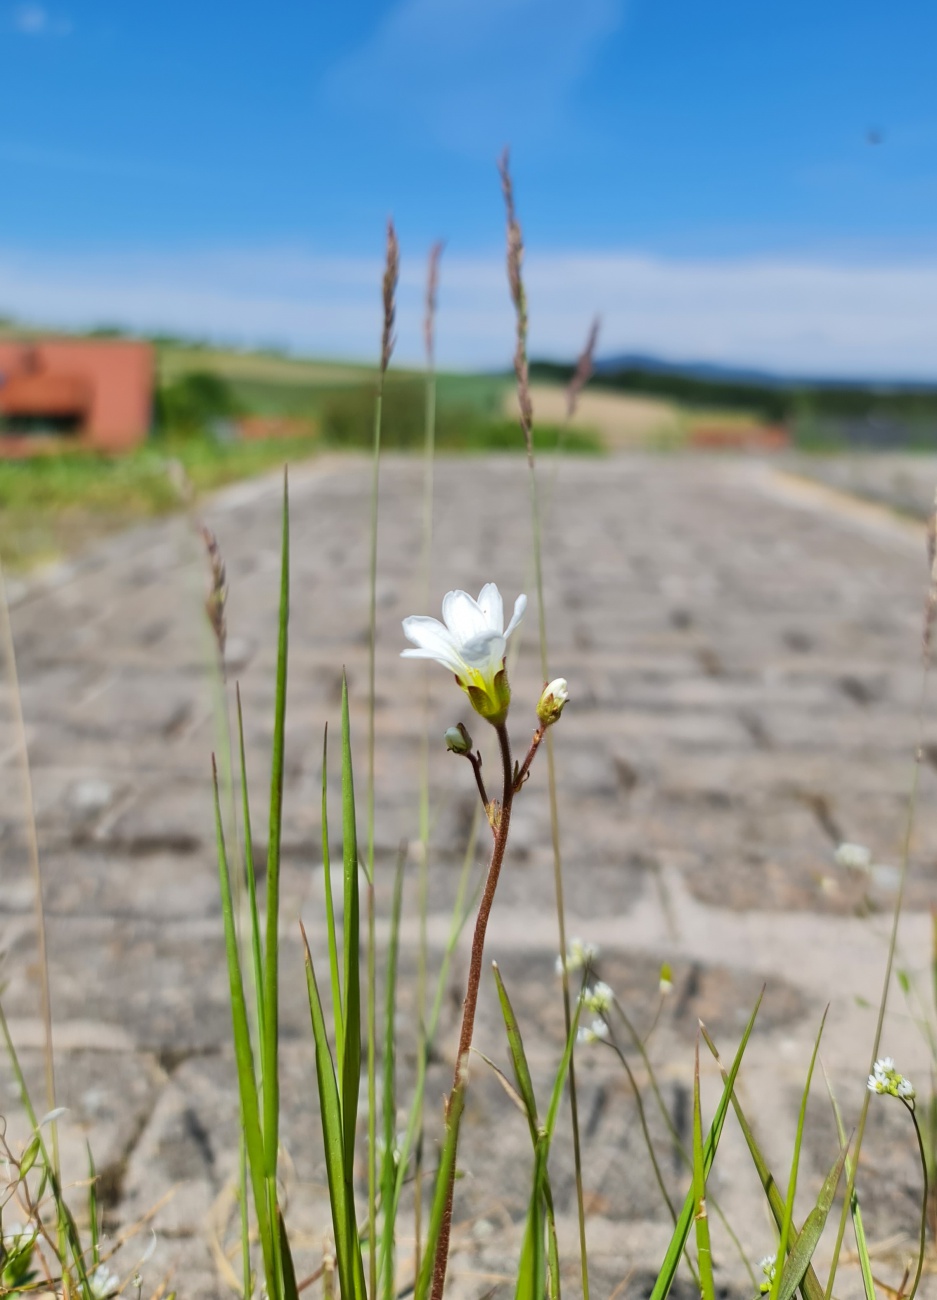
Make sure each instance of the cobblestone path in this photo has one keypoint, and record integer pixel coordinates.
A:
(743, 656)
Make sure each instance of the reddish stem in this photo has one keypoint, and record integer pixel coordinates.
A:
(471, 992)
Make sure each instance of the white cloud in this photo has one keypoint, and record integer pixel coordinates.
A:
(35, 20)
(790, 316)
(472, 74)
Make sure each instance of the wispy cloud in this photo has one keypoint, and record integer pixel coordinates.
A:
(470, 74)
(791, 316)
(36, 20)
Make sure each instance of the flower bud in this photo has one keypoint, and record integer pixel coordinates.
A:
(458, 741)
(552, 701)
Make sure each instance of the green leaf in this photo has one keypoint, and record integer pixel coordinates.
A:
(447, 1159)
(243, 1054)
(862, 1245)
(525, 1086)
(810, 1288)
(389, 1098)
(800, 1255)
(330, 906)
(700, 1215)
(93, 1207)
(341, 1187)
(678, 1240)
(271, 1013)
(351, 1058)
(795, 1164)
(256, 952)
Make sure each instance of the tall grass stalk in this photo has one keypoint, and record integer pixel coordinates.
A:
(893, 934)
(32, 839)
(388, 296)
(515, 253)
(429, 452)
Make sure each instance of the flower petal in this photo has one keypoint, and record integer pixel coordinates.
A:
(520, 606)
(434, 642)
(492, 607)
(462, 616)
(484, 652)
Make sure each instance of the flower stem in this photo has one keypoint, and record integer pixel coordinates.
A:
(470, 1004)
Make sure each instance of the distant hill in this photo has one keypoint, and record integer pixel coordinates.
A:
(715, 373)
(828, 412)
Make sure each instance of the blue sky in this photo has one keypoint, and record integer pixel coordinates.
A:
(747, 183)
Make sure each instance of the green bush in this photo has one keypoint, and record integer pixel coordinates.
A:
(348, 422)
(190, 404)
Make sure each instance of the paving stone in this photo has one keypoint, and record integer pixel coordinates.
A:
(743, 653)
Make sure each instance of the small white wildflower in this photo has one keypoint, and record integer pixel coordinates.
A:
(471, 642)
(855, 857)
(580, 954)
(885, 1079)
(594, 1033)
(666, 979)
(103, 1282)
(599, 998)
(768, 1268)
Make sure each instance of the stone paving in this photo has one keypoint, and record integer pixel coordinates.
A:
(744, 662)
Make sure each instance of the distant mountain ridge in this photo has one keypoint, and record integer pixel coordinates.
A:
(713, 372)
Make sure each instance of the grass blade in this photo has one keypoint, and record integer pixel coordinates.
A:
(678, 1240)
(389, 1099)
(795, 1164)
(810, 1286)
(447, 1157)
(341, 1188)
(244, 1055)
(799, 1258)
(93, 1207)
(256, 950)
(862, 1245)
(703, 1244)
(351, 1058)
(271, 1013)
(525, 1086)
(337, 1013)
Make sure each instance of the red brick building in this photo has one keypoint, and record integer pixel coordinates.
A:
(91, 392)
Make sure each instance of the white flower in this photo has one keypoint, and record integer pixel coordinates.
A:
(593, 1033)
(768, 1269)
(103, 1282)
(885, 1079)
(599, 998)
(470, 642)
(854, 856)
(580, 954)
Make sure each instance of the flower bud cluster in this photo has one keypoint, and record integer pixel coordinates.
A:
(599, 998)
(594, 1033)
(886, 1079)
(768, 1268)
(578, 956)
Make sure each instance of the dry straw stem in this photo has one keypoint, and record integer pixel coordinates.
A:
(389, 294)
(515, 246)
(930, 609)
(585, 369)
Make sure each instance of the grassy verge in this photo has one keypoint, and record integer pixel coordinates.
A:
(52, 505)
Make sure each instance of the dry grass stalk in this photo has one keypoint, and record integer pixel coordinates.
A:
(930, 608)
(391, 272)
(585, 369)
(217, 598)
(516, 283)
(432, 289)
